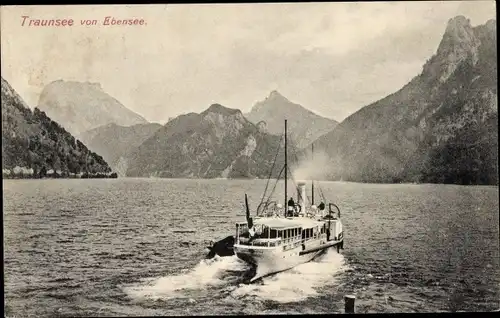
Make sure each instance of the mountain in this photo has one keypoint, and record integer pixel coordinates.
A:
(304, 125)
(82, 106)
(33, 144)
(441, 127)
(217, 143)
(114, 142)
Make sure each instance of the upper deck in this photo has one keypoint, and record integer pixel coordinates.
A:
(287, 223)
(289, 232)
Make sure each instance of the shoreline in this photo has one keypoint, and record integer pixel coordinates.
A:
(31, 177)
(114, 176)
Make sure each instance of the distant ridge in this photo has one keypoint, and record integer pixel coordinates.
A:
(304, 125)
(115, 142)
(81, 106)
(217, 143)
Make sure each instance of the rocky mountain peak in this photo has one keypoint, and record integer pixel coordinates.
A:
(219, 109)
(491, 24)
(274, 101)
(6, 89)
(275, 95)
(458, 33)
(9, 92)
(305, 126)
(488, 29)
(224, 120)
(459, 43)
(458, 21)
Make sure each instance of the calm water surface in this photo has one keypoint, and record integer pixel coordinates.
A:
(107, 248)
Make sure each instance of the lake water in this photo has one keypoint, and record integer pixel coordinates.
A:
(107, 248)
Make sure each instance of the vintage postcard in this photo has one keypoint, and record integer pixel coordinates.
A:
(258, 158)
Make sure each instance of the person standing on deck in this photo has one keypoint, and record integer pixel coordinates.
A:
(321, 208)
(291, 206)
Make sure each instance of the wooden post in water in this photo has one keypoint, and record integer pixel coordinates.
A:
(349, 303)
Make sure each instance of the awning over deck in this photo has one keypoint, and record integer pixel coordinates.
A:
(288, 223)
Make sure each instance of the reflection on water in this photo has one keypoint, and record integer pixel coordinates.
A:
(108, 247)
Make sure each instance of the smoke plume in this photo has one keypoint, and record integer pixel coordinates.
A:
(313, 168)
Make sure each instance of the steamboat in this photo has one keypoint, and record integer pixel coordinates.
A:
(280, 237)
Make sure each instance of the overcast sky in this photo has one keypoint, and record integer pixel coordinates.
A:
(332, 58)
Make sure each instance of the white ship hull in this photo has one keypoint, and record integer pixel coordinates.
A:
(270, 260)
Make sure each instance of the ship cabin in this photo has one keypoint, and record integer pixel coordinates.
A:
(280, 232)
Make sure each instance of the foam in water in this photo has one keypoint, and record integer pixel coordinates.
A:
(206, 273)
(295, 284)
(298, 283)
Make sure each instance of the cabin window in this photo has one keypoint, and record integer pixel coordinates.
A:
(285, 234)
(273, 234)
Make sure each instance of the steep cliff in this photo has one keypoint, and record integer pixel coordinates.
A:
(33, 144)
(304, 125)
(440, 127)
(217, 143)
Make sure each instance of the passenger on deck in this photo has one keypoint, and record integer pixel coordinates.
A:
(297, 210)
(291, 207)
(321, 206)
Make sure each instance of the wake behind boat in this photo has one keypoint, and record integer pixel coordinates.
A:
(280, 238)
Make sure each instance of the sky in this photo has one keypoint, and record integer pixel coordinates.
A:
(332, 58)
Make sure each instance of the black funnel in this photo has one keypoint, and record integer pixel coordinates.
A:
(249, 219)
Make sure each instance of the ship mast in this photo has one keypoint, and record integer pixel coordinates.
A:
(286, 176)
(312, 185)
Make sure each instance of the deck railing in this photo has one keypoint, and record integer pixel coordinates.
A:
(287, 243)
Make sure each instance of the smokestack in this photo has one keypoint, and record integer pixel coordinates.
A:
(301, 194)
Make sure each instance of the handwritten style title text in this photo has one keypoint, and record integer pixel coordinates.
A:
(68, 22)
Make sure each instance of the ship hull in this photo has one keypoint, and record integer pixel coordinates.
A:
(268, 261)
